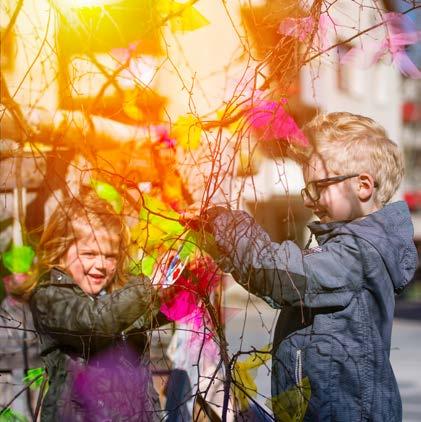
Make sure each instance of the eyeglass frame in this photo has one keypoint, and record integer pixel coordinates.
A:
(336, 179)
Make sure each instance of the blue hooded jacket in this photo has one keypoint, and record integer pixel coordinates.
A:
(337, 303)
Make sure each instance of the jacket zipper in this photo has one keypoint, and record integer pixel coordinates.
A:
(298, 369)
(299, 381)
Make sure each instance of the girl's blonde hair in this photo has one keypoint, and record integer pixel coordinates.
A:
(349, 143)
(67, 224)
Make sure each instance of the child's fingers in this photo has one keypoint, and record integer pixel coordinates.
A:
(191, 213)
(191, 221)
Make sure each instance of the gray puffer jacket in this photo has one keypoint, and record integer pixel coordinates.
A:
(337, 304)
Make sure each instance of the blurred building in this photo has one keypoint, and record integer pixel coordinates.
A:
(411, 144)
(60, 57)
(325, 85)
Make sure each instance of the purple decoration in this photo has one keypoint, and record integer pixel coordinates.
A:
(114, 385)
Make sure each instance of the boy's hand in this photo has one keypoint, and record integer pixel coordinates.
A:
(191, 220)
(197, 218)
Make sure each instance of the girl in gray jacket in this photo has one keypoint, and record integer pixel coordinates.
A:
(92, 319)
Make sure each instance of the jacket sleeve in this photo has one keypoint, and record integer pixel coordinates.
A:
(60, 309)
(281, 274)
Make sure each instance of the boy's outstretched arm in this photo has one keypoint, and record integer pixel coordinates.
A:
(281, 273)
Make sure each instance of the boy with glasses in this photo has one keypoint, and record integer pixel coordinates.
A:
(337, 300)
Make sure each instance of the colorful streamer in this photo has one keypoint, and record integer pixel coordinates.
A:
(303, 28)
(394, 43)
(245, 386)
(270, 120)
(182, 17)
(108, 193)
(187, 131)
(291, 405)
(34, 377)
(18, 259)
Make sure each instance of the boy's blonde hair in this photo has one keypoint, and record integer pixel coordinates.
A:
(67, 224)
(350, 143)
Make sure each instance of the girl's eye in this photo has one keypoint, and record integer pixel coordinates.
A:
(88, 254)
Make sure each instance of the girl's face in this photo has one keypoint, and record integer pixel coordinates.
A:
(92, 259)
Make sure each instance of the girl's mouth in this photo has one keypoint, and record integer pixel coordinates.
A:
(97, 278)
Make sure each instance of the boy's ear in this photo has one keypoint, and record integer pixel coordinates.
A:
(365, 186)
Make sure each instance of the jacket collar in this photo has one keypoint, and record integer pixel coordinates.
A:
(323, 231)
(389, 230)
(395, 213)
(58, 276)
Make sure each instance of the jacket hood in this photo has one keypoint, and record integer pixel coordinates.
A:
(389, 231)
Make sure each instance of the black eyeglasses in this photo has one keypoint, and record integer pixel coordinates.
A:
(312, 190)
